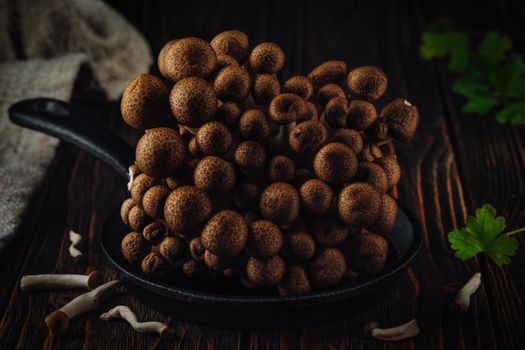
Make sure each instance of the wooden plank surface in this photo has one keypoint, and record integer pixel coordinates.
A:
(456, 164)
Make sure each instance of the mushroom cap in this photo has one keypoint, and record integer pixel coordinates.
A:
(95, 279)
(316, 196)
(225, 234)
(378, 131)
(193, 102)
(58, 323)
(349, 137)
(361, 115)
(214, 138)
(216, 262)
(359, 204)
(280, 203)
(311, 112)
(144, 103)
(246, 195)
(192, 268)
(214, 174)
(368, 253)
(373, 174)
(328, 268)
(265, 273)
(402, 119)
(307, 137)
(141, 183)
(391, 168)
(160, 152)
(253, 125)
(138, 218)
(155, 232)
(134, 247)
(125, 209)
(265, 88)
(300, 86)
(267, 58)
(250, 155)
(294, 281)
(265, 239)
(196, 249)
(328, 92)
(153, 200)
(335, 163)
(367, 82)
(232, 83)
(286, 108)
(387, 219)
(326, 73)
(225, 61)
(172, 183)
(298, 246)
(193, 148)
(188, 57)
(328, 232)
(233, 43)
(229, 114)
(172, 249)
(281, 169)
(154, 264)
(186, 208)
(335, 112)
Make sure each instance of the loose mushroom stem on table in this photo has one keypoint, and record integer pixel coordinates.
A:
(124, 312)
(60, 281)
(401, 332)
(462, 299)
(74, 247)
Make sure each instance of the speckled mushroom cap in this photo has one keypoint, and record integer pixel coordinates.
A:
(265, 88)
(267, 58)
(328, 232)
(172, 249)
(265, 239)
(187, 208)
(316, 196)
(160, 152)
(193, 102)
(250, 155)
(187, 57)
(366, 82)
(286, 108)
(246, 195)
(361, 115)
(214, 138)
(154, 264)
(368, 253)
(391, 168)
(140, 185)
(144, 103)
(335, 112)
(373, 174)
(300, 86)
(327, 72)
(233, 43)
(351, 138)
(225, 234)
(307, 137)
(134, 247)
(232, 84)
(229, 114)
(359, 204)
(153, 200)
(281, 169)
(225, 61)
(298, 246)
(402, 119)
(294, 281)
(328, 92)
(387, 219)
(328, 268)
(265, 273)
(335, 163)
(253, 125)
(280, 203)
(214, 174)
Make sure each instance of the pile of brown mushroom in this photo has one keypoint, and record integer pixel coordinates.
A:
(239, 175)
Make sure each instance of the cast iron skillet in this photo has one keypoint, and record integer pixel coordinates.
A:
(223, 303)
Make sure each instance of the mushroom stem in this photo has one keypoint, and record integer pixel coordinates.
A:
(58, 321)
(124, 312)
(404, 331)
(74, 250)
(132, 175)
(463, 297)
(55, 281)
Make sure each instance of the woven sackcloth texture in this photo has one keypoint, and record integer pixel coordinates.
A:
(44, 46)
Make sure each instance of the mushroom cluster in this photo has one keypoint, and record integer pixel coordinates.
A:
(238, 175)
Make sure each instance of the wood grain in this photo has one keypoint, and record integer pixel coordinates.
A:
(456, 164)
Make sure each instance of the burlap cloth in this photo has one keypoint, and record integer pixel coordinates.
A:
(43, 45)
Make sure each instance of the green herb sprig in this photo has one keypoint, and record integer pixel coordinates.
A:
(483, 234)
(491, 80)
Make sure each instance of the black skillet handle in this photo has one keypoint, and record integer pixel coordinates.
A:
(73, 125)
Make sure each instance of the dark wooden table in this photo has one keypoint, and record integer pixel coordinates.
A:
(456, 164)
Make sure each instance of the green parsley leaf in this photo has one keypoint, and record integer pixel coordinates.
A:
(513, 113)
(483, 234)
